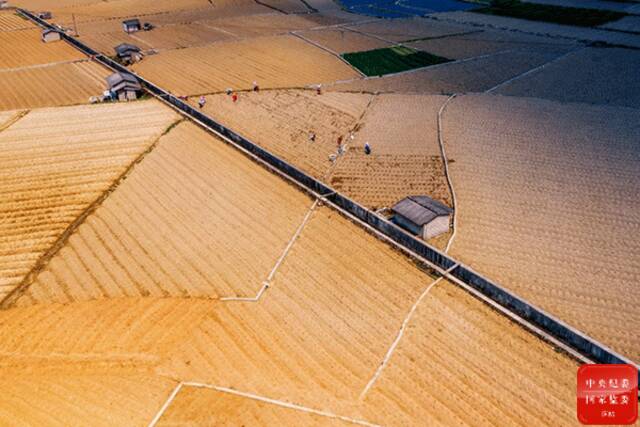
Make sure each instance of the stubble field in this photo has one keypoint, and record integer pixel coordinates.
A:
(547, 206)
(280, 121)
(54, 164)
(9, 21)
(405, 160)
(55, 85)
(24, 48)
(283, 61)
(194, 219)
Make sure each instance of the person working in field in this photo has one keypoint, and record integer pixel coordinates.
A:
(367, 149)
(202, 101)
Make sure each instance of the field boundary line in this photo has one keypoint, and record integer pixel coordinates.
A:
(48, 64)
(287, 249)
(280, 403)
(403, 328)
(166, 405)
(534, 69)
(62, 240)
(443, 154)
(533, 318)
(13, 120)
(326, 49)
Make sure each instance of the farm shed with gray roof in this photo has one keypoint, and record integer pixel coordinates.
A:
(50, 35)
(422, 216)
(124, 85)
(128, 53)
(131, 25)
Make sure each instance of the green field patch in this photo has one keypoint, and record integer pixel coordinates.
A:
(378, 62)
(548, 13)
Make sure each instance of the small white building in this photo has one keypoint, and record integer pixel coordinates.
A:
(4, 3)
(50, 35)
(422, 216)
(124, 86)
(128, 53)
(131, 25)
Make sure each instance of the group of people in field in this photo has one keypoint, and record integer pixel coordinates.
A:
(202, 101)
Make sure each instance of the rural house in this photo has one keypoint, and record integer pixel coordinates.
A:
(128, 53)
(131, 25)
(422, 216)
(3, 3)
(124, 86)
(50, 35)
(45, 15)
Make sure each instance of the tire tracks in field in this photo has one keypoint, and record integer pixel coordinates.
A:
(61, 241)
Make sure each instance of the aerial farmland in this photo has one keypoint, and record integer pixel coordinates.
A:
(316, 212)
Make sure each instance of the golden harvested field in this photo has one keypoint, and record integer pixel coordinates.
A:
(215, 229)
(10, 21)
(55, 85)
(548, 207)
(319, 334)
(398, 30)
(269, 24)
(280, 122)
(282, 61)
(476, 75)
(342, 40)
(125, 8)
(90, 363)
(100, 396)
(205, 406)
(454, 349)
(180, 36)
(402, 131)
(24, 48)
(106, 42)
(54, 163)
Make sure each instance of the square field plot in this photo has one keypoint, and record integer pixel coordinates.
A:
(391, 60)
(284, 61)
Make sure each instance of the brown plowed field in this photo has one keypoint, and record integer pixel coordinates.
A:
(280, 121)
(283, 61)
(196, 218)
(405, 160)
(204, 406)
(56, 85)
(54, 163)
(342, 40)
(381, 180)
(10, 21)
(454, 349)
(24, 48)
(125, 8)
(548, 207)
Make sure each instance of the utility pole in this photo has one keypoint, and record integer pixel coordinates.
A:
(75, 25)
